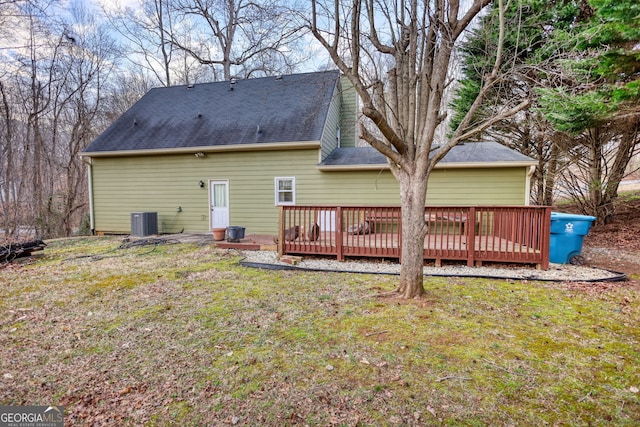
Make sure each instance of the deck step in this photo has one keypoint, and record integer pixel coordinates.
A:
(291, 259)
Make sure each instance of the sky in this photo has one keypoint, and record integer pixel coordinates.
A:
(319, 57)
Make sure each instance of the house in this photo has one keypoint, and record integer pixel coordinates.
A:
(229, 153)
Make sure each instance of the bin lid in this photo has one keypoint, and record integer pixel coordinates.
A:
(571, 217)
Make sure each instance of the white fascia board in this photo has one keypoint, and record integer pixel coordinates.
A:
(474, 165)
(337, 168)
(461, 165)
(207, 149)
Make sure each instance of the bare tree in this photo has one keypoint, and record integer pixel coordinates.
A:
(85, 67)
(125, 89)
(51, 92)
(240, 37)
(398, 55)
(147, 30)
(8, 197)
(530, 134)
(597, 162)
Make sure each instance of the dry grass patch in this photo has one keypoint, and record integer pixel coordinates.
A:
(181, 334)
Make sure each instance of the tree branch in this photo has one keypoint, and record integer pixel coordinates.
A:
(524, 104)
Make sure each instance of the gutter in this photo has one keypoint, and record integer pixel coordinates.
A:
(527, 187)
(335, 168)
(90, 185)
(440, 165)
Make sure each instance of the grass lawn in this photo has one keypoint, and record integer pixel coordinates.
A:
(181, 334)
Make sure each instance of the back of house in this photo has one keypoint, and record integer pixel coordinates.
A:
(211, 155)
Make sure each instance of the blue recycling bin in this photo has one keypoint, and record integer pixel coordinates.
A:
(567, 233)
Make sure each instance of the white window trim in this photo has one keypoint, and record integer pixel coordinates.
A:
(277, 192)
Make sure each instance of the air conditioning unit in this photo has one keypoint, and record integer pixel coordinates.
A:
(144, 223)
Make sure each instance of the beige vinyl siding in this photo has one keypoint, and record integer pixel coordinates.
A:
(348, 127)
(329, 134)
(163, 183)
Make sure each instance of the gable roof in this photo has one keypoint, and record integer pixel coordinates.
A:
(269, 110)
(469, 154)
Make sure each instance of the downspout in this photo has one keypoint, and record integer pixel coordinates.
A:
(527, 187)
(90, 185)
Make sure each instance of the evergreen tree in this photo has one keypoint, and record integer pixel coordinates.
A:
(599, 103)
(530, 25)
(604, 65)
(579, 64)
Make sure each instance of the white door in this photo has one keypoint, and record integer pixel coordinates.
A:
(327, 220)
(219, 198)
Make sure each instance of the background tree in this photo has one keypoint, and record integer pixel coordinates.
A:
(8, 197)
(59, 86)
(599, 102)
(146, 30)
(528, 32)
(398, 55)
(87, 65)
(239, 38)
(51, 92)
(574, 61)
(596, 164)
(124, 89)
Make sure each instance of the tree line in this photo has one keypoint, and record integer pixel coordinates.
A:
(69, 69)
(567, 74)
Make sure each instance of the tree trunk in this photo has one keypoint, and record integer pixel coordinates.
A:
(413, 191)
(624, 154)
(596, 156)
(552, 170)
(8, 209)
(164, 43)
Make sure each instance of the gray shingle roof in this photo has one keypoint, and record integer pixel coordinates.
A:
(469, 152)
(262, 110)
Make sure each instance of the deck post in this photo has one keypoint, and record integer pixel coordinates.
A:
(280, 231)
(471, 236)
(546, 238)
(338, 231)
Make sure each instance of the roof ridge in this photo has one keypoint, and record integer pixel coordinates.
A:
(238, 79)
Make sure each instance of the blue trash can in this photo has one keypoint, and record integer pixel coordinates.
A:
(567, 233)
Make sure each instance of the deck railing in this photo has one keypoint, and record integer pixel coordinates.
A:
(517, 234)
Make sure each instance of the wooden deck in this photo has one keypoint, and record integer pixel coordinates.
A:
(518, 234)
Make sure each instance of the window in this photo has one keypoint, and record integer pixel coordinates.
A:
(285, 191)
